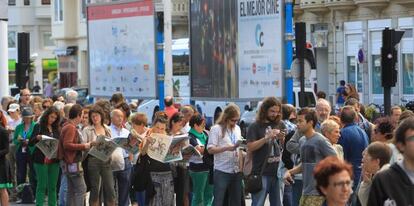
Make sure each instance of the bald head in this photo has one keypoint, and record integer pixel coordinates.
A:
(168, 100)
(117, 117)
(323, 109)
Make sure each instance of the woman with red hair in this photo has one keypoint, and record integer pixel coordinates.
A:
(334, 181)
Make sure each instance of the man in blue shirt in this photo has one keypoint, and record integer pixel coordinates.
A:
(354, 140)
(339, 94)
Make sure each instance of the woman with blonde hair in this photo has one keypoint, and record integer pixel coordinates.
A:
(331, 130)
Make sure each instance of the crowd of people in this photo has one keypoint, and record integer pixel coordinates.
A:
(289, 156)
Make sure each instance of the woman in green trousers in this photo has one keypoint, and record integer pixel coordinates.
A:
(199, 170)
(47, 170)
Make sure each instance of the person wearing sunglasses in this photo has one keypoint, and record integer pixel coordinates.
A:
(395, 185)
(334, 180)
(383, 132)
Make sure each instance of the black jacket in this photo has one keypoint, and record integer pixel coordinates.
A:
(38, 156)
(392, 185)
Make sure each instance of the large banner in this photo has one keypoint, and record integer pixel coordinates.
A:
(260, 48)
(236, 49)
(213, 49)
(121, 40)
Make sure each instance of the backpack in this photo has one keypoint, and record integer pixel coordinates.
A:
(25, 192)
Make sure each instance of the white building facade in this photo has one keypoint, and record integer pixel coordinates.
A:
(33, 17)
(347, 40)
(69, 30)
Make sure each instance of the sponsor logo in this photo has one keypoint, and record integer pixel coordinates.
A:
(259, 36)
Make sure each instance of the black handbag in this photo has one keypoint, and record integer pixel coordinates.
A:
(253, 182)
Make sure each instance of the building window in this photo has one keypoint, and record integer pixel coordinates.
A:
(45, 2)
(12, 2)
(354, 73)
(12, 39)
(26, 2)
(58, 10)
(47, 39)
(376, 75)
(83, 8)
(408, 74)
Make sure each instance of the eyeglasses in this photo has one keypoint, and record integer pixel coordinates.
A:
(342, 184)
(410, 139)
(26, 95)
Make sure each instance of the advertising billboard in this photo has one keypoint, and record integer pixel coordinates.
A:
(236, 49)
(213, 39)
(121, 41)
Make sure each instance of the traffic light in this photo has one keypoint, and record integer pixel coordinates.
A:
(300, 39)
(23, 59)
(389, 54)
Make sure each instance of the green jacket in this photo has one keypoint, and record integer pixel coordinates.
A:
(19, 132)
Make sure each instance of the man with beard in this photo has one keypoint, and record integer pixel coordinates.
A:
(265, 138)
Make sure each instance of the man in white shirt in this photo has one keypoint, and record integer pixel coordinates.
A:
(223, 143)
(122, 177)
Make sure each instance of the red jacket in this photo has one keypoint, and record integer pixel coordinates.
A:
(70, 143)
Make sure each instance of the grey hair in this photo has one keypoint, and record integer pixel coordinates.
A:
(322, 102)
(71, 96)
(328, 126)
(59, 105)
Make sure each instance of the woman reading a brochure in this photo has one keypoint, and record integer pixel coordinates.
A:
(46, 168)
(99, 172)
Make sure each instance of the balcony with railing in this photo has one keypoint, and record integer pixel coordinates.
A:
(314, 6)
(179, 12)
(340, 4)
(372, 4)
(296, 7)
(409, 3)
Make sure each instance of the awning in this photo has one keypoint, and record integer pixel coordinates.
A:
(70, 50)
(12, 65)
(49, 64)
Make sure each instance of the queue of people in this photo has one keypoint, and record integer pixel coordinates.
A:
(288, 157)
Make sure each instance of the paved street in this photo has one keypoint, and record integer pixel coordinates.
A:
(248, 202)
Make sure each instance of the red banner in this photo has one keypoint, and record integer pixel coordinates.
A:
(141, 8)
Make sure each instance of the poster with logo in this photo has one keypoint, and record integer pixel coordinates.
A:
(121, 45)
(260, 48)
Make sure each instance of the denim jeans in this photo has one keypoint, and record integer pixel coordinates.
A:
(22, 161)
(63, 190)
(123, 183)
(140, 198)
(297, 192)
(288, 195)
(227, 181)
(270, 185)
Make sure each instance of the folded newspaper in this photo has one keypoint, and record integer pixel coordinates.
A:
(161, 147)
(104, 149)
(130, 143)
(190, 150)
(49, 146)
